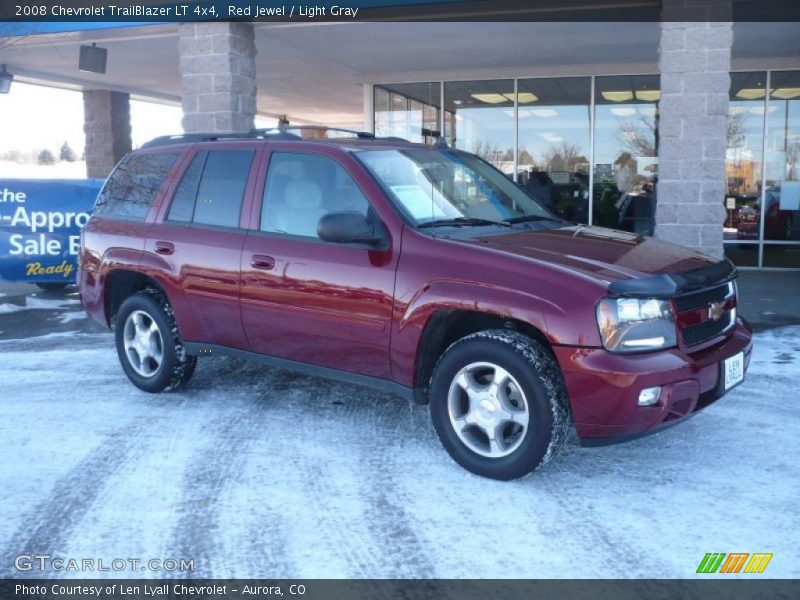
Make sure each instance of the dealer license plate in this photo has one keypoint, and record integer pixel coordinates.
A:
(734, 370)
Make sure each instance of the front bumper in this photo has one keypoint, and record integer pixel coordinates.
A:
(604, 387)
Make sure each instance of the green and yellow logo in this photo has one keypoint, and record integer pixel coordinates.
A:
(714, 562)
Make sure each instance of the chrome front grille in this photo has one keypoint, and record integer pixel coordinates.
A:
(706, 301)
(701, 299)
(703, 332)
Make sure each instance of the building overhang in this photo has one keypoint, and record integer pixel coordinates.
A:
(313, 72)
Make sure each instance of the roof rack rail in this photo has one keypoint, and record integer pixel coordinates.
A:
(282, 132)
(359, 134)
(189, 138)
(362, 135)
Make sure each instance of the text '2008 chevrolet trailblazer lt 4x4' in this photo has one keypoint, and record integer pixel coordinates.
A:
(415, 269)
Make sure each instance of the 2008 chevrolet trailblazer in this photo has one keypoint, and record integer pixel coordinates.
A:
(416, 269)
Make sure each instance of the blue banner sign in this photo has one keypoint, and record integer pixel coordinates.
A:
(40, 223)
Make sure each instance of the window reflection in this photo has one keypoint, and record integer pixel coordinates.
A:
(555, 154)
(409, 111)
(554, 143)
(742, 254)
(782, 194)
(744, 144)
(782, 256)
(626, 152)
(479, 118)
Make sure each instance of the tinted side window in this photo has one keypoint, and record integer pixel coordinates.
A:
(301, 188)
(132, 186)
(221, 189)
(212, 188)
(182, 207)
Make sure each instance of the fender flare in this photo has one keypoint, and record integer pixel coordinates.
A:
(462, 296)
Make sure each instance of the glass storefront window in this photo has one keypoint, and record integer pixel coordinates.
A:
(626, 152)
(742, 254)
(558, 154)
(409, 111)
(743, 155)
(782, 256)
(483, 119)
(555, 143)
(782, 160)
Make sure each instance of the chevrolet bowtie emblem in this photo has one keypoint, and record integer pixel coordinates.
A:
(716, 310)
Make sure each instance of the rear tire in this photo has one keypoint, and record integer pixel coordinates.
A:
(499, 404)
(52, 287)
(148, 345)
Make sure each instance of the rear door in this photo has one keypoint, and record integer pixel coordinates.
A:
(197, 242)
(305, 299)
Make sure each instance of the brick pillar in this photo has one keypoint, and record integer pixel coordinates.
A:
(107, 125)
(218, 76)
(695, 62)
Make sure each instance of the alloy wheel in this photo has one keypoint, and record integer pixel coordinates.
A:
(144, 345)
(488, 409)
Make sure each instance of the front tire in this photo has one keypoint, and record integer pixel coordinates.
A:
(499, 404)
(149, 348)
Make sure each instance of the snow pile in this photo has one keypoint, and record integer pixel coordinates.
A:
(34, 303)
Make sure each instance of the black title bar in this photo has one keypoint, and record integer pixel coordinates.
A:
(139, 11)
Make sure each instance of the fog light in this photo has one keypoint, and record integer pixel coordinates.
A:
(649, 396)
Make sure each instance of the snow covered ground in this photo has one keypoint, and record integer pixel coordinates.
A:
(254, 472)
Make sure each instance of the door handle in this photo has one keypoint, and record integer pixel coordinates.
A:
(259, 261)
(165, 248)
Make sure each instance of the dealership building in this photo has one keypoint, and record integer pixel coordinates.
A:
(689, 130)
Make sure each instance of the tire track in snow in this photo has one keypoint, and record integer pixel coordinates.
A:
(617, 555)
(393, 550)
(212, 472)
(47, 527)
(347, 545)
(392, 527)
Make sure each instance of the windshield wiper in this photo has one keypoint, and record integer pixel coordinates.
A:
(528, 218)
(462, 222)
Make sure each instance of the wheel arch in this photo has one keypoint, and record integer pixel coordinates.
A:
(120, 284)
(447, 325)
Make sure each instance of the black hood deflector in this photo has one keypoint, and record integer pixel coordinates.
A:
(675, 284)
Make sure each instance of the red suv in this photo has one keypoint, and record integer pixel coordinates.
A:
(414, 269)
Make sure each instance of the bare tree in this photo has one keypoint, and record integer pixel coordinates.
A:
(735, 130)
(563, 157)
(792, 156)
(639, 137)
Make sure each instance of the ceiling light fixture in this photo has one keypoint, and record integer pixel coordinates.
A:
(751, 93)
(621, 96)
(648, 95)
(786, 93)
(523, 98)
(491, 98)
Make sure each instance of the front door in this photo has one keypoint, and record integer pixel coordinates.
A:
(308, 300)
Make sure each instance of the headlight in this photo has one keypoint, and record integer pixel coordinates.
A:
(635, 325)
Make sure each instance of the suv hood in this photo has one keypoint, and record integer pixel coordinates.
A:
(606, 255)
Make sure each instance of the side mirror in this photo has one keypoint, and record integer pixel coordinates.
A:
(349, 227)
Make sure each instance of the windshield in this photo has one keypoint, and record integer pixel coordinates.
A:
(448, 187)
